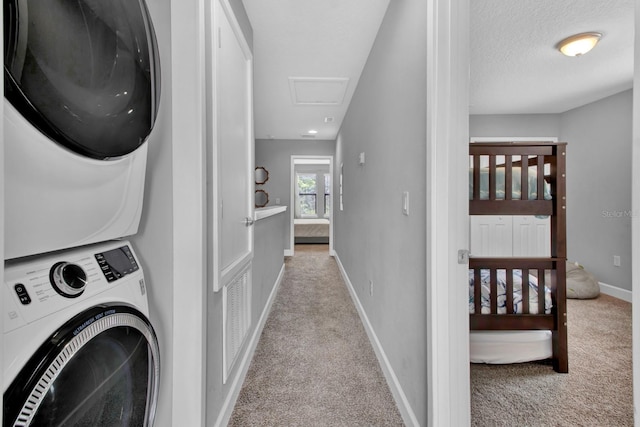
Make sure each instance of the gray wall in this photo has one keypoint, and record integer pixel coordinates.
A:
(373, 239)
(241, 15)
(268, 259)
(513, 125)
(275, 156)
(598, 177)
(599, 186)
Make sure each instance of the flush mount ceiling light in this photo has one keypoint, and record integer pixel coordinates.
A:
(579, 44)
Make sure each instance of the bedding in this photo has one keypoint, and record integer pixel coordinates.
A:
(516, 184)
(311, 230)
(502, 291)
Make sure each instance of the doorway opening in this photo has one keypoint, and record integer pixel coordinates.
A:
(311, 201)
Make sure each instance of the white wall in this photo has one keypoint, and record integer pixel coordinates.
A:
(373, 239)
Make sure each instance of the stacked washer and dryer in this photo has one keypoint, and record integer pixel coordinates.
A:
(82, 88)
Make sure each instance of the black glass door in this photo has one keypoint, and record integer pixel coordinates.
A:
(84, 72)
(100, 369)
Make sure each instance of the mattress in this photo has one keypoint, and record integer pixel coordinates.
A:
(311, 227)
(501, 347)
(516, 184)
(502, 293)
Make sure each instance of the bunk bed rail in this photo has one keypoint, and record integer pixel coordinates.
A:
(521, 177)
(515, 312)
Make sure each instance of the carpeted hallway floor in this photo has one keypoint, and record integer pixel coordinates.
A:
(314, 365)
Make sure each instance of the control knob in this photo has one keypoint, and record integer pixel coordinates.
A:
(68, 279)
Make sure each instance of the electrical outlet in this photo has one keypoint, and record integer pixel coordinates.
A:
(371, 287)
(616, 260)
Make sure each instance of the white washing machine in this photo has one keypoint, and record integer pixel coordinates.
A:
(82, 87)
(79, 347)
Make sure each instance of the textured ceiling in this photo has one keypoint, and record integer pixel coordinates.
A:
(514, 65)
(516, 69)
(307, 39)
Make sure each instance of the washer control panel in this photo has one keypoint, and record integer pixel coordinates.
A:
(117, 263)
(39, 286)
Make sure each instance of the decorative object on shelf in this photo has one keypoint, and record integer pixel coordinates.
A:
(261, 198)
(262, 175)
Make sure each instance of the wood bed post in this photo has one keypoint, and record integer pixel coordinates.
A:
(559, 251)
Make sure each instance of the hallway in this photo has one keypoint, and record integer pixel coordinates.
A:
(314, 364)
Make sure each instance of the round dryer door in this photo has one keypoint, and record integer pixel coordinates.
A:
(85, 73)
(99, 369)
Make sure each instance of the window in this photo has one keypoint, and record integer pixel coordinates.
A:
(327, 195)
(307, 194)
(313, 194)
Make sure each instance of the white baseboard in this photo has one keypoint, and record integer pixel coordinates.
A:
(227, 408)
(288, 252)
(400, 398)
(616, 292)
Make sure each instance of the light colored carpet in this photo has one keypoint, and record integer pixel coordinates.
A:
(597, 391)
(314, 365)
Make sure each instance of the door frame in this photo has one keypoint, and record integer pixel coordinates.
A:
(447, 140)
(292, 190)
(635, 220)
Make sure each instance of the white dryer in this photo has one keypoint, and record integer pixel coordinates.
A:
(82, 88)
(79, 347)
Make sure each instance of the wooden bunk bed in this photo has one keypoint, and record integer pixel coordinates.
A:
(539, 170)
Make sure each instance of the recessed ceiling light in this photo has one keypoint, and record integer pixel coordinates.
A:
(579, 44)
(328, 119)
(313, 132)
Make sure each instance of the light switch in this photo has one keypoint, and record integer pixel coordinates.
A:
(405, 203)
(361, 158)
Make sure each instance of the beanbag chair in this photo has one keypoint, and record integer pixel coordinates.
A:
(580, 283)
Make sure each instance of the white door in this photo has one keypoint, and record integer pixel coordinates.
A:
(230, 177)
(231, 174)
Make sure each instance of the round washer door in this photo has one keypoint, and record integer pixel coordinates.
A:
(85, 73)
(100, 369)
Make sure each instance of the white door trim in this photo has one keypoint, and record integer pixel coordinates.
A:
(188, 322)
(447, 212)
(635, 221)
(292, 181)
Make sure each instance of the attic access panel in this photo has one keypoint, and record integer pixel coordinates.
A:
(318, 91)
